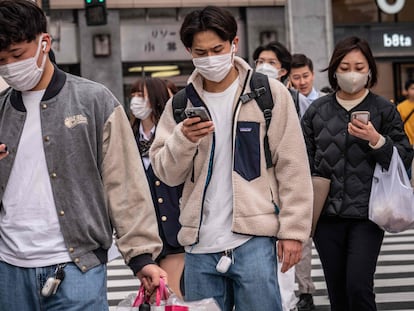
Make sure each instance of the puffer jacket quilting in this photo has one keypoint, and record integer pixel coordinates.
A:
(348, 161)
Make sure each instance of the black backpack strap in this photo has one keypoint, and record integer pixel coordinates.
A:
(179, 101)
(259, 83)
(295, 96)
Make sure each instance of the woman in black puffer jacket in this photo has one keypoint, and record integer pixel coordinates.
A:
(346, 151)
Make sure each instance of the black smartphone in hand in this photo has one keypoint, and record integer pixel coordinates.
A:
(201, 112)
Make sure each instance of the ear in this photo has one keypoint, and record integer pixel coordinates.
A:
(282, 72)
(236, 44)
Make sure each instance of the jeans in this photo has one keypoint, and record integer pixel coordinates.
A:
(20, 289)
(249, 284)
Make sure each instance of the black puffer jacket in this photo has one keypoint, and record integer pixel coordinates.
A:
(348, 161)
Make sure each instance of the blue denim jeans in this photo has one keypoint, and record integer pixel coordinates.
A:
(250, 283)
(20, 289)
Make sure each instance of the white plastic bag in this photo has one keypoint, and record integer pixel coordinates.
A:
(287, 287)
(391, 204)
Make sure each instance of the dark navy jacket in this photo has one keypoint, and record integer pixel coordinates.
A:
(166, 203)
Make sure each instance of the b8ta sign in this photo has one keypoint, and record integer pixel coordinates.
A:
(397, 40)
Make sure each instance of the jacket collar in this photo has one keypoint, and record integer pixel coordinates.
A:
(54, 87)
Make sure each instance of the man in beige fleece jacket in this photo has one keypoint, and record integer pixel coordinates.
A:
(234, 207)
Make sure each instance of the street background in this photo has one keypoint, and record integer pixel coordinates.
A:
(394, 278)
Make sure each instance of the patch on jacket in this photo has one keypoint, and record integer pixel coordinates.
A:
(72, 121)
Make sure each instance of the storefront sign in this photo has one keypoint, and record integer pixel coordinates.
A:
(397, 40)
(388, 8)
(151, 41)
(392, 40)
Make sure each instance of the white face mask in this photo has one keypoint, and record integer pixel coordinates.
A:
(24, 75)
(140, 108)
(214, 68)
(268, 70)
(352, 82)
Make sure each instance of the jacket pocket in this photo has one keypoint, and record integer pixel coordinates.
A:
(247, 150)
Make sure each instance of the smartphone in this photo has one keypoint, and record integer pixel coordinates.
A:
(362, 116)
(201, 112)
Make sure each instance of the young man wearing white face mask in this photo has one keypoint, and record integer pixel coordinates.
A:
(70, 176)
(233, 207)
(274, 60)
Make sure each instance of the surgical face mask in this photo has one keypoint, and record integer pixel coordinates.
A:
(214, 68)
(268, 70)
(24, 75)
(352, 82)
(140, 108)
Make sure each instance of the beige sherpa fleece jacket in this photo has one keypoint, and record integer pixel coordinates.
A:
(277, 202)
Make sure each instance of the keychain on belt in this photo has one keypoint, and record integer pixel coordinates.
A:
(225, 261)
(53, 282)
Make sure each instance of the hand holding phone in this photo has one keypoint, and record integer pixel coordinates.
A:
(4, 149)
(201, 112)
(362, 116)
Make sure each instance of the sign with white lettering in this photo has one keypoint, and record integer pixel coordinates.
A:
(385, 40)
(397, 40)
(151, 41)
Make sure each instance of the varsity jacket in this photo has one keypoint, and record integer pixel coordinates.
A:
(97, 180)
(348, 161)
(275, 201)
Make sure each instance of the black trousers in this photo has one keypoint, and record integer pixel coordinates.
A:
(348, 250)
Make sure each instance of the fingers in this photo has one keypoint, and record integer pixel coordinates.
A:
(194, 130)
(291, 252)
(279, 252)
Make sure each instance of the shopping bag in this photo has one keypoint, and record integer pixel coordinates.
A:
(321, 186)
(391, 203)
(165, 300)
(287, 287)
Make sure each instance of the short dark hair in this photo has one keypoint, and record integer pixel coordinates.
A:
(301, 60)
(20, 21)
(281, 52)
(213, 18)
(408, 84)
(342, 48)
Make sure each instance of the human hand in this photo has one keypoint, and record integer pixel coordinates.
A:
(364, 131)
(3, 151)
(289, 252)
(150, 276)
(194, 130)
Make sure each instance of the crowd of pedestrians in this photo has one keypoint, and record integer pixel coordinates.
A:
(210, 203)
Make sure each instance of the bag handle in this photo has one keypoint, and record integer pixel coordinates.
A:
(162, 293)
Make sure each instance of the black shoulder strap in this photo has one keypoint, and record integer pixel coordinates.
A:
(295, 96)
(406, 119)
(259, 83)
(179, 101)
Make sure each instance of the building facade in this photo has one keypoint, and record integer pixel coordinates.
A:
(142, 37)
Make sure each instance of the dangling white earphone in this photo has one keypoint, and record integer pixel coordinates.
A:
(44, 45)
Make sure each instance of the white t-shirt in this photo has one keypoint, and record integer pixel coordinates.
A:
(30, 233)
(215, 232)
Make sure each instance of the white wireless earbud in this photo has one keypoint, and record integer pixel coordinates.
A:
(44, 45)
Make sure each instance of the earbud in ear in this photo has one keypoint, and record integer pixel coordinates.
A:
(44, 45)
